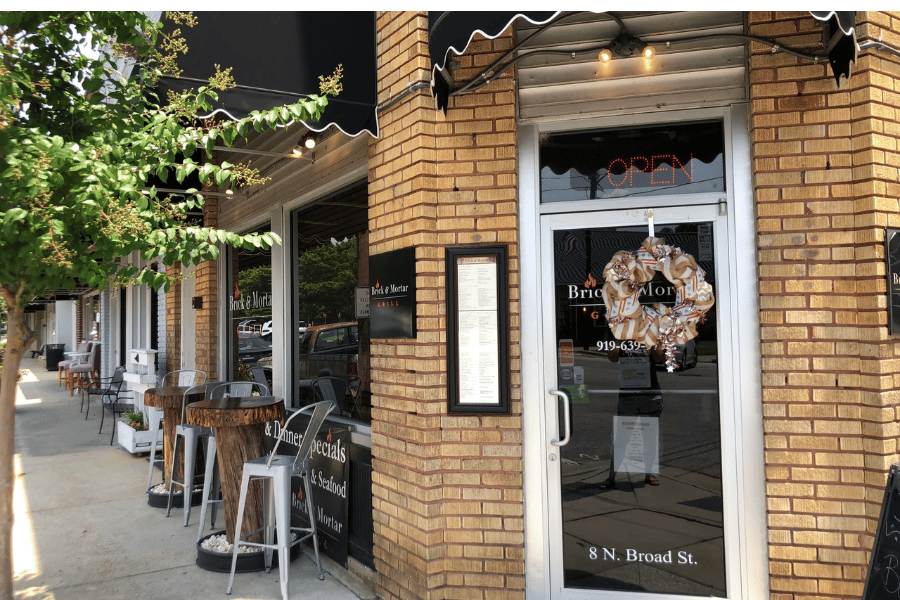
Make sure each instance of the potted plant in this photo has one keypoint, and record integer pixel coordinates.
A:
(134, 435)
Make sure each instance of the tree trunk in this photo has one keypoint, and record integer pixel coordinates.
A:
(15, 349)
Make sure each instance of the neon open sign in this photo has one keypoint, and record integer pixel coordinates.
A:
(664, 169)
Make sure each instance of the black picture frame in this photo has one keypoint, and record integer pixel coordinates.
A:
(472, 384)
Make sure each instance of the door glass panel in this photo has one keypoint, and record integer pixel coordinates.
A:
(641, 478)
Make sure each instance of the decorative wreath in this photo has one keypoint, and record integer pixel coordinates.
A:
(656, 325)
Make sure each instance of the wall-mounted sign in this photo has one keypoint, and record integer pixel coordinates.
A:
(392, 294)
(892, 256)
(477, 329)
(362, 303)
(329, 467)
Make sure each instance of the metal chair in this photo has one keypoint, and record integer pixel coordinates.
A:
(336, 390)
(262, 375)
(107, 387)
(276, 471)
(111, 402)
(181, 378)
(211, 481)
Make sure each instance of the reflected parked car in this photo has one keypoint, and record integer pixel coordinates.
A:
(686, 355)
(252, 347)
(331, 349)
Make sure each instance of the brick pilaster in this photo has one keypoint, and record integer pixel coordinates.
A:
(447, 489)
(207, 280)
(173, 322)
(825, 165)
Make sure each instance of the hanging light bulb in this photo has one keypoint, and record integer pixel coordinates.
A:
(605, 55)
(648, 52)
(309, 141)
(297, 151)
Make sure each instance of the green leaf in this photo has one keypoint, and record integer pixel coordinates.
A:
(205, 172)
(228, 135)
(222, 177)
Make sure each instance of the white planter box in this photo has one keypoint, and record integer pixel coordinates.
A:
(137, 441)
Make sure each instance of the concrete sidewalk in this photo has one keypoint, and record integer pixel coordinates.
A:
(83, 527)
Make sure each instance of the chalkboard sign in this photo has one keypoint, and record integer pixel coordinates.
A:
(883, 580)
(329, 470)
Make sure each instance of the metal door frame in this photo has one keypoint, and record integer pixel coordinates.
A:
(739, 376)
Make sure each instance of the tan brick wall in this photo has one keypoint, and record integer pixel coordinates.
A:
(825, 165)
(207, 279)
(447, 489)
(173, 323)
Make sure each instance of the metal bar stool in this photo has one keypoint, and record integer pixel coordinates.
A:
(211, 487)
(276, 471)
(191, 436)
(182, 378)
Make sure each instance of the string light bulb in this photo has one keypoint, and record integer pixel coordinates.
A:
(648, 52)
(605, 55)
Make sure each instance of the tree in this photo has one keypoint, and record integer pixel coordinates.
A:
(78, 144)
(326, 278)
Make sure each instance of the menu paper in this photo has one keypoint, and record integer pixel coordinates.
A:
(478, 342)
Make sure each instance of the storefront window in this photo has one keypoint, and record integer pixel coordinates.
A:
(330, 262)
(250, 312)
(633, 162)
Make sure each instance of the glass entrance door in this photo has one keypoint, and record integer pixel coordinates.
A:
(634, 413)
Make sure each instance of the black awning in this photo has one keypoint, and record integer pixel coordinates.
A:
(840, 39)
(276, 57)
(454, 31)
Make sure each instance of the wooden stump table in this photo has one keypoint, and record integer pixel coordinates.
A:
(169, 399)
(239, 425)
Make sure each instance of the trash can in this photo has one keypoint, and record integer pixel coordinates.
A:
(54, 353)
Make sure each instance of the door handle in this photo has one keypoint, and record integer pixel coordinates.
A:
(565, 398)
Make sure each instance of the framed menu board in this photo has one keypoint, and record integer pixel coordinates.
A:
(477, 329)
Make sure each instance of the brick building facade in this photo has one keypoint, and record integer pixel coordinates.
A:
(805, 375)
(825, 165)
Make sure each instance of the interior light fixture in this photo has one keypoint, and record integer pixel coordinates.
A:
(309, 141)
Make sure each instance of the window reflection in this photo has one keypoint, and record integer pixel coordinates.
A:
(250, 310)
(331, 261)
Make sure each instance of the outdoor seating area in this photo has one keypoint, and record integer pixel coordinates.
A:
(153, 550)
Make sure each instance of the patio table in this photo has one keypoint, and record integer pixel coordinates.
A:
(239, 425)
